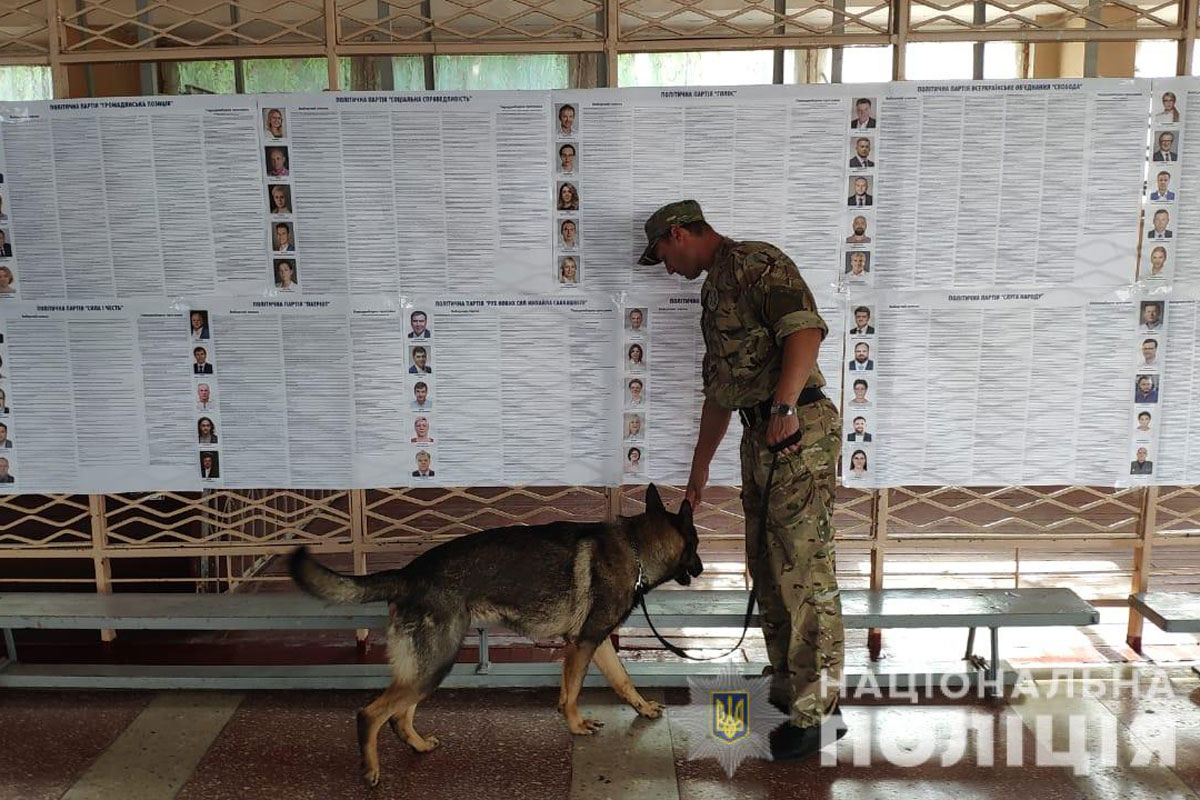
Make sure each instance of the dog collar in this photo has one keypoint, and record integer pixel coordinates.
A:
(640, 585)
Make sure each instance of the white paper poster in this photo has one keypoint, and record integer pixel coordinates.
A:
(1018, 387)
(390, 289)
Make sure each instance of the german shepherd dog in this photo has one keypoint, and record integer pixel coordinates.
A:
(577, 580)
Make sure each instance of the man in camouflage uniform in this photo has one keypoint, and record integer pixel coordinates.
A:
(762, 334)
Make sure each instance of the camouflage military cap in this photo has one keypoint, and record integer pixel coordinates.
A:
(659, 225)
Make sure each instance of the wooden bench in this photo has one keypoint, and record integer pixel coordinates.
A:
(671, 609)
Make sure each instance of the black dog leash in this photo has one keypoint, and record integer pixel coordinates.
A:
(762, 529)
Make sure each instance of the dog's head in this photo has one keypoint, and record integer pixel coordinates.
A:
(689, 566)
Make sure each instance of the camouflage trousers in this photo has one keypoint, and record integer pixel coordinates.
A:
(793, 566)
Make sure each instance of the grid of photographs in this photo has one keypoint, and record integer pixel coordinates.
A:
(861, 154)
(419, 358)
(634, 354)
(568, 261)
(284, 247)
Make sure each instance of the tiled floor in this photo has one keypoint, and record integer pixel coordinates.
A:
(512, 744)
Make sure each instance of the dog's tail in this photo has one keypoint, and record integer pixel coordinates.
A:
(320, 581)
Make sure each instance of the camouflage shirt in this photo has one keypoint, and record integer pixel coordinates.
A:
(753, 298)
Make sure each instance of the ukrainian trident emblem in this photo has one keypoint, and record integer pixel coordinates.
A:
(730, 721)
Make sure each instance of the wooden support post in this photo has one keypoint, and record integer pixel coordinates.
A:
(1187, 12)
(879, 523)
(100, 562)
(1147, 521)
(612, 497)
(899, 40)
(58, 70)
(358, 539)
(612, 32)
(331, 41)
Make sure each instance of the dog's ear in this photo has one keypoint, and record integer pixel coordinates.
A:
(685, 514)
(654, 503)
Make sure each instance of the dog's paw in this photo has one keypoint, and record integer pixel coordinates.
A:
(426, 744)
(371, 777)
(586, 726)
(651, 709)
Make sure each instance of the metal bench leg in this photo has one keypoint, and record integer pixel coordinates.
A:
(994, 667)
(10, 644)
(484, 666)
(977, 661)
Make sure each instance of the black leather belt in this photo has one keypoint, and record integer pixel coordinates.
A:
(753, 415)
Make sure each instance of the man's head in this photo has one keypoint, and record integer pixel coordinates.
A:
(421, 392)
(423, 459)
(566, 118)
(419, 356)
(566, 157)
(1141, 454)
(1150, 313)
(859, 225)
(1149, 349)
(678, 237)
(862, 147)
(1164, 180)
(200, 354)
(3, 432)
(418, 320)
(860, 424)
(206, 460)
(197, 320)
(278, 159)
(862, 108)
(202, 393)
(1161, 218)
(636, 318)
(568, 229)
(860, 186)
(282, 235)
(1166, 141)
(862, 352)
(1145, 384)
(635, 388)
(862, 316)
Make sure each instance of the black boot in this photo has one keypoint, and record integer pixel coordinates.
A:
(790, 741)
